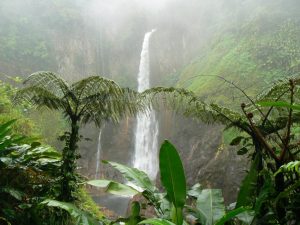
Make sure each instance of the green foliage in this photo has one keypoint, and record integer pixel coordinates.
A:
(87, 204)
(94, 99)
(291, 167)
(134, 176)
(268, 135)
(209, 207)
(134, 217)
(264, 49)
(170, 164)
(27, 170)
(80, 217)
(113, 187)
(210, 204)
(173, 179)
(9, 111)
(156, 221)
(248, 187)
(232, 214)
(29, 175)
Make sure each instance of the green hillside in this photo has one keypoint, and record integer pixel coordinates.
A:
(263, 50)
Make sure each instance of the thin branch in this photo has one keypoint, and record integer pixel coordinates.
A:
(290, 122)
(260, 137)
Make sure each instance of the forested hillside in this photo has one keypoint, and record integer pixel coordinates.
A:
(262, 48)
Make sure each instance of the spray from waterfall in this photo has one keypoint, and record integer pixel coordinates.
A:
(98, 156)
(145, 157)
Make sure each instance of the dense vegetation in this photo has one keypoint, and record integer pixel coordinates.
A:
(269, 193)
(41, 116)
(264, 48)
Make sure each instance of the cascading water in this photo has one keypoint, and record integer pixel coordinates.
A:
(146, 134)
(98, 156)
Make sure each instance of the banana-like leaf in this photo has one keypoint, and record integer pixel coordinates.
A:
(173, 178)
(156, 221)
(246, 217)
(210, 204)
(135, 176)
(233, 213)
(195, 190)
(114, 188)
(82, 218)
(248, 187)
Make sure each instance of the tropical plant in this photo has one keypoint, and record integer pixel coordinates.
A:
(268, 134)
(26, 170)
(208, 210)
(79, 216)
(94, 99)
(167, 205)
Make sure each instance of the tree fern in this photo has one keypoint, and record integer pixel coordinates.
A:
(94, 99)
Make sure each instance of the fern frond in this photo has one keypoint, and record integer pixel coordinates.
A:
(278, 90)
(48, 81)
(39, 97)
(105, 106)
(94, 85)
(290, 168)
(187, 103)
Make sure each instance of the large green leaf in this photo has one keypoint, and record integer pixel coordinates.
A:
(248, 187)
(115, 188)
(195, 190)
(135, 176)
(246, 217)
(99, 183)
(82, 218)
(156, 221)
(5, 128)
(210, 204)
(233, 213)
(173, 178)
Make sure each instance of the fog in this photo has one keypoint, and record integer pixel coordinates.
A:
(78, 38)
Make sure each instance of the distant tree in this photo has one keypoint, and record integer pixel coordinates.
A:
(94, 99)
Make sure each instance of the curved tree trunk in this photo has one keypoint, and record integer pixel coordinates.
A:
(68, 182)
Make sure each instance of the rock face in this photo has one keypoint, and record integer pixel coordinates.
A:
(205, 158)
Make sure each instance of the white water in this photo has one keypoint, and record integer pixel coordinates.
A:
(98, 156)
(146, 134)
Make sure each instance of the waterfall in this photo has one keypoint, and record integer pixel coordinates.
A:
(98, 156)
(146, 134)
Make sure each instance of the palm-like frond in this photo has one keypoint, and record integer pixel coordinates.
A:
(93, 86)
(187, 103)
(92, 99)
(278, 90)
(45, 89)
(102, 99)
(40, 97)
(48, 81)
